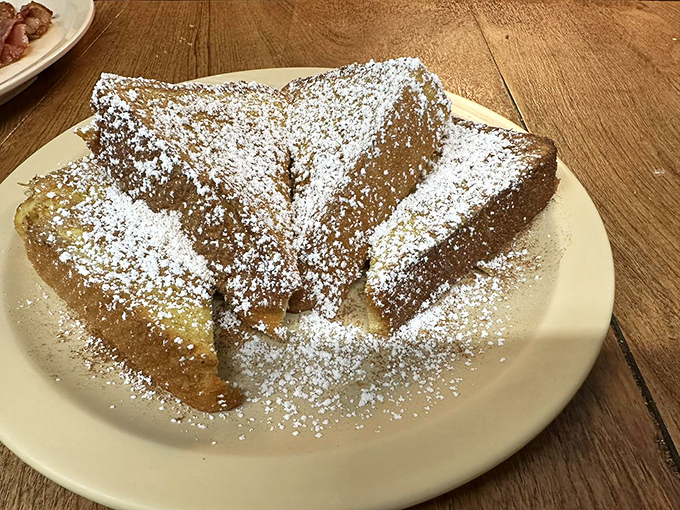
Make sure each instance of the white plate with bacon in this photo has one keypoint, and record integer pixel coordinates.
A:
(32, 40)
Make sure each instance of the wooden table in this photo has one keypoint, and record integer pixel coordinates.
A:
(602, 80)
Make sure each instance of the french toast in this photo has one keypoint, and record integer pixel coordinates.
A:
(132, 274)
(487, 186)
(217, 155)
(361, 138)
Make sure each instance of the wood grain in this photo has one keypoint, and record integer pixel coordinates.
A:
(445, 37)
(660, 46)
(600, 79)
(580, 450)
(614, 113)
(249, 35)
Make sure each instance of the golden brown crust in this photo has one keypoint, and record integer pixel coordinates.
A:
(481, 236)
(385, 122)
(188, 370)
(216, 155)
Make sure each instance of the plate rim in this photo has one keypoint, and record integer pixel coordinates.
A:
(81, 26)
(426, 491)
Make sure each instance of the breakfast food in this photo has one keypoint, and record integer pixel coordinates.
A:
(361, 138)
(487, 186)
(216, 155)
(187, 192)
(131, 274)
(18, 28)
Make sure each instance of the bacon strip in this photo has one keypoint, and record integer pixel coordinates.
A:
(37, 18)
(15, 44)
(6, 26)
(16, 29)
(7, 11)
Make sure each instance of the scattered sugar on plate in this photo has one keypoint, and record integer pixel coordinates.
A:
(332, 373)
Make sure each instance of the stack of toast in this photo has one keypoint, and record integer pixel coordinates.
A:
(277, 200)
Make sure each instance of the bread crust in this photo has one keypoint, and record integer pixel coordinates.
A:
(333, 244)
(188, 369)
(482, 235)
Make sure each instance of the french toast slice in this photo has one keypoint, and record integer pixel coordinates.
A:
(487, 186)
(217, 155)
(131, 274)
(361, 138)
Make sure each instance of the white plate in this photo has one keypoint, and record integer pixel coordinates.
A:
(71, 20)
(131, 457)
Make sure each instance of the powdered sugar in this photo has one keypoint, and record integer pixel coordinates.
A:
(476, 165)
(344, 126)
(327, 372)
(120, 245)
(331, 372)
(217, 155)
(333, 121)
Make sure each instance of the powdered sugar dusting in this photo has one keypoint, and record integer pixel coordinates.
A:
(476, 165)
(216, 154)
(335, 120)
(333, 374)
(120, 245)
(330, 372)
(340, 124)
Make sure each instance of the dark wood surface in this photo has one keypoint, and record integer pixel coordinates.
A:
(602, 80)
